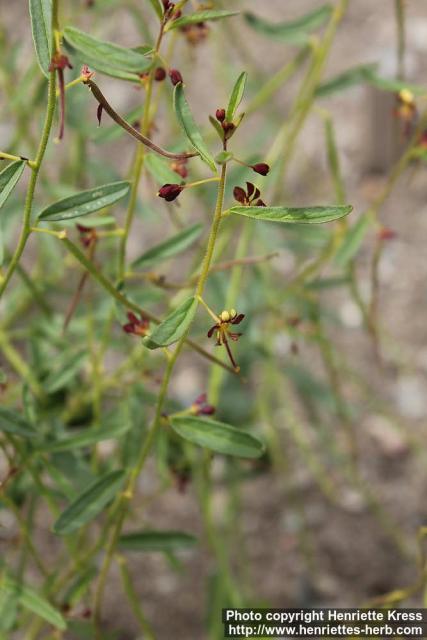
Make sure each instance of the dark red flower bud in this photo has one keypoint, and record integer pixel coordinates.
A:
(261, 168)
(239, 195)
(260, 203)
(159, 74)
(166, 4)
(175, 76)
(220, 115)
(201, 408)
(227, 126)
(207, 410)
(177, 14)
(170, 191)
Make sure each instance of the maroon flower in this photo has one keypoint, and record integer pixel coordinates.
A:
(250, 196)
(222, 331)
(136, 326)
(87, 235)
(201, 408)
(159, 74)
(261, 168)
(170, 191)
(220, 115)
(175, 76)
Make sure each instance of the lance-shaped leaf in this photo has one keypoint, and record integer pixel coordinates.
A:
(166, 541)
(61, 375)
(295, 32)
(108, 57)
(86, 438)
(354, 76)
(158, 9)
(236, 96)
(217, 436)
(200, 16)
(174, 326)
(189, 127)
(352, 240)
(85, 202)
(300, 215)
(31, 600)
(8, 179)
(15, 423)
(90, 503)
(170, 248)
(41, 28)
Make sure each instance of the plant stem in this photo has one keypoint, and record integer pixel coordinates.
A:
(35, 168)
(123, 502)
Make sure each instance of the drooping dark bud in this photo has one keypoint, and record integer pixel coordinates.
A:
(261, 168)
(99, 114)
(175, 76)
(239, 195)
(159, 74)
(170, 191)
(220, 115)
(260, 203)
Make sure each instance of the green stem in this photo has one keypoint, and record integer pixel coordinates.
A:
(122, 504)
(25, 231)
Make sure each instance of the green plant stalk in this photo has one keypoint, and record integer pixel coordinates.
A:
(138, 164)
(133, 599)
(286, 140)
(35, 170)
(127, 495)
(401, 40)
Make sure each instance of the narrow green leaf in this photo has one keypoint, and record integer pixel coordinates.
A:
(189, 127)
(236, 96)
(108, 57)
(15, 423)
(85, 202)
(158, 9)
(200, 16)
(160, 169)
(8, 179)
(295, 32)
(352, 77)
(365, 74)
(352, 240)
(167, 541)
(217, 436)
(30, 599)
(174, 326)
(86, 438)
(170, 248)
(389, 84)
(61, 376)
(216, 125)
(41, 28)
(90, 503)
(301, 215)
